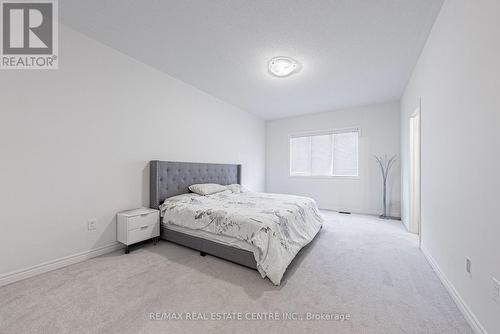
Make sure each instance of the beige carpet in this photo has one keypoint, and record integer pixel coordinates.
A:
(358, 265)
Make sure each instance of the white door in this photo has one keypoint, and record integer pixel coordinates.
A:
(414, 225)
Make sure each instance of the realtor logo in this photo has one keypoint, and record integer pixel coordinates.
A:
(29, 32)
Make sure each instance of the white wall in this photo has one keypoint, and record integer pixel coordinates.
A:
(458, 78)
(380, 128)
(75, 144)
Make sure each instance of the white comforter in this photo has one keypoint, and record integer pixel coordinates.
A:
(278, 226)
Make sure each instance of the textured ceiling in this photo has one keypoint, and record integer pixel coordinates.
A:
(353, 52)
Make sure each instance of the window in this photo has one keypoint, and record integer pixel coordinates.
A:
(333, 153)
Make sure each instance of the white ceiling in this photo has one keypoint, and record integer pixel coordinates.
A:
(353, 52)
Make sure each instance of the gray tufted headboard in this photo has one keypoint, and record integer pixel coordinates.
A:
(169, 178)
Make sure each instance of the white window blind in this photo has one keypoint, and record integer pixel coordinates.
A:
(332, 153)
(345, 154)
(321, 155)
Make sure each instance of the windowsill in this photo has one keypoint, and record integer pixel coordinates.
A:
(326, 177)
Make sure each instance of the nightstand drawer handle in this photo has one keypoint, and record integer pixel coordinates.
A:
(144, 214)
(144, 226)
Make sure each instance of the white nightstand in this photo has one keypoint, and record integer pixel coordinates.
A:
(137, 225)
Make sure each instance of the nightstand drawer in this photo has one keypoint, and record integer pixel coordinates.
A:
(142, 221)
(143, 233)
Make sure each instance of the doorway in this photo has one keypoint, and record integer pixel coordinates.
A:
(415, 140)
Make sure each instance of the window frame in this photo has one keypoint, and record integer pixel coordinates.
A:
(319, 133)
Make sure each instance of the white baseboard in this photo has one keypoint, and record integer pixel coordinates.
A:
(56, 264)
(367, 212)
(462, 306)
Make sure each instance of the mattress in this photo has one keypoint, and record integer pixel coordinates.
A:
(221, 239)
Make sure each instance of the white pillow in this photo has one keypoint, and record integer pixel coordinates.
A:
(206, 188)
(235, 188)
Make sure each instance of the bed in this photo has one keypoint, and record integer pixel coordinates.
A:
(258, 230)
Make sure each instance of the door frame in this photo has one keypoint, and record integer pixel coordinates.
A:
(415, 172)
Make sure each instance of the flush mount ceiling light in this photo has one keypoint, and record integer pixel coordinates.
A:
(282, 66)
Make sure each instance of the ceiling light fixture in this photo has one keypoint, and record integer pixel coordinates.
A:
(282, 66)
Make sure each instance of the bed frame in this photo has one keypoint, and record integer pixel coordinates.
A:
(168, 178)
